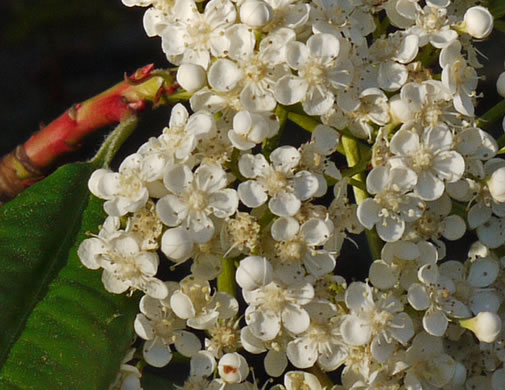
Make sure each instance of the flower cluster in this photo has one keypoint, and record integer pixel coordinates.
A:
(389, 85)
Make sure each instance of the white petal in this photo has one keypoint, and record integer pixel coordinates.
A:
(295, 319)
(171, 210)
(381, 349)
(368, 213)
(381, 275)
(202, 364)
(453, 227)
(264, 324)
(224, 75)
(156, 353)
(355, 330)
(290, 90)
(302, 352)
(284, 228)
(402, 328)
(252, 194)
(275, 363)
(182, 306)
(253, 272)
(283, 204)
(483, 272)
(187, 344)
(224, 203)
(418, 297)
(435, 322)
(250, 342)
(177, 244)
(143, 327)
(305, 185)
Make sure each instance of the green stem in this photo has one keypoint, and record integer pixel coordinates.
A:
(494, 114)
(304, 121)
(114, 141)
(354, 158)
(182, 96)
(270, 144)
(226, 279)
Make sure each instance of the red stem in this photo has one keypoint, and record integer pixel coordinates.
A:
(29, 162)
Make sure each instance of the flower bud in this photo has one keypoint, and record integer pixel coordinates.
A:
(176, 244)
(500, 84)
(191, 77)
(478, 22)
(496, 185)
(233, 368)
(486, 326)
(253, 272)
(256, 13)
(399, 110)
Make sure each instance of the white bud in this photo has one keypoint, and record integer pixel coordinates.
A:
(486, 326)
(500, 84)
(233, 368)
(496, 185)
(176, 244)
(479, 22)
(253, 272)
(256, 13)
(191, 77)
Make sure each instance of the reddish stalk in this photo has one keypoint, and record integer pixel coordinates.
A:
(28, 163)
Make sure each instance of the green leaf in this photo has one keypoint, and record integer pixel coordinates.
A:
(63, 330)
(497, 8)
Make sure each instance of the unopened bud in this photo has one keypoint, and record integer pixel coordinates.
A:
(256, 13)
(486, 326)
(478, 22)
(253, 272)
(176, 244)
(496, 185)
(233, 368)
(500, 84)
(191, 77)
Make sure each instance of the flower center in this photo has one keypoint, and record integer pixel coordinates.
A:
(422, 159)
(197, 200)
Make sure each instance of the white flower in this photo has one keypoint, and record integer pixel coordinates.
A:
(193, 36)
(319, 74)
(158, 324)
(428, 365)
(432, 26)
(124, 191)
(435, 295)
(194, 303)
(194, 197)
(177, 141)
(430, 157)
(478, 22)
(125, 265)
(300, 244)
(383, 323)
(392, 206)
(322, 341)
(399, 263)
(279, 180)
(274, 306)
(460, 78)
(250, 129)
(372, 106)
